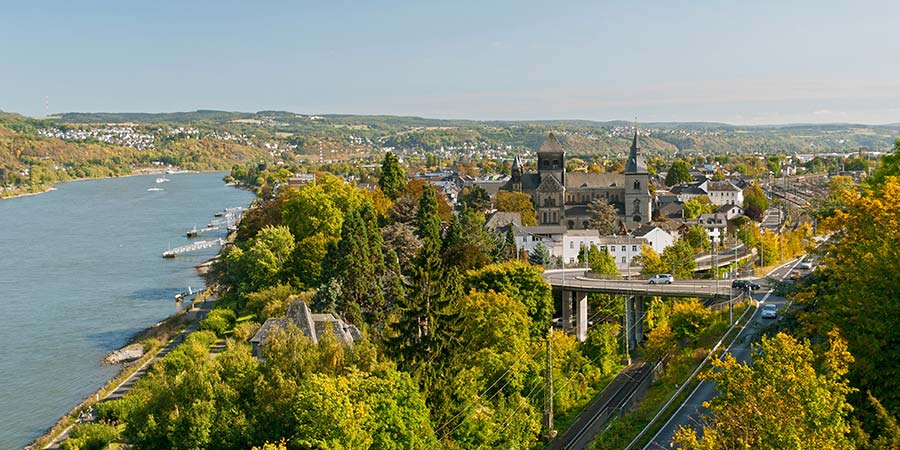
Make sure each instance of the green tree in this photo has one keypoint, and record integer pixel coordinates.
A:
(519, 202)
(604, 217)
(475, 198)
(392, 179)
(601, 262)
(468, 245)
(697, 237)
(698, 205)
(522, 282)
(679, 258)
(650, 261)
(755, 202)
(782, 398)
(679, 172)
(539, 255)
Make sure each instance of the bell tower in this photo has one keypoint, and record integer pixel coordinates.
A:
(638, 203)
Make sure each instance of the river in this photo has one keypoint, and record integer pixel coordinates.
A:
(80, 273)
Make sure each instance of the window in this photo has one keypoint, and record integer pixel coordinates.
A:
(634, 248)
(612, 248)
(623, 248)
(571, 244)
(637, 185)
(623, 260)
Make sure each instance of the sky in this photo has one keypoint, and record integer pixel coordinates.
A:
(741, 62)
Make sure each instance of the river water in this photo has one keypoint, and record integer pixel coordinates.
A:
(80, 273)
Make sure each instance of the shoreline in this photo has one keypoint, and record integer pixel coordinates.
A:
(135, 173)
(162, 332)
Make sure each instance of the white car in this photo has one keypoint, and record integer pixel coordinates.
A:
(662, 278)
(769, 311)
(807, 265)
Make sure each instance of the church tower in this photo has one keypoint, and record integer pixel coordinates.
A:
(516, 174)
(550, 193)
(637, 186)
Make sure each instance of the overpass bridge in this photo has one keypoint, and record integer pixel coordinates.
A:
(576, 284)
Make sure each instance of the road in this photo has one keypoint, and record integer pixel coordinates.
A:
(575, 279)
(690, 411)
(199, 311)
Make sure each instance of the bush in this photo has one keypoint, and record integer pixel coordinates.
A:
(113, 410)
(90, 436)
(244, 331)
(689, 318)
(219, 321)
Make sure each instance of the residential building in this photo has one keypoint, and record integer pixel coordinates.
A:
(654, 236)
(314, 326)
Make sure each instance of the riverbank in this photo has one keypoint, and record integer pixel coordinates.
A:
(137, 171)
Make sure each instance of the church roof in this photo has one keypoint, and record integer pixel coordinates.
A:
(636, 163)
(549, 183)
(551, 145)
(575, 180)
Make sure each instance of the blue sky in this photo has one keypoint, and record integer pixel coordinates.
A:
(741, 62)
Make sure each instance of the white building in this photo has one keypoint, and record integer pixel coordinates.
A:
(716, 225)
(562, 243)
(655, 237)
(724, 193)
(623, 249)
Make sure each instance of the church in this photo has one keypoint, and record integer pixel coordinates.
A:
(562, 198)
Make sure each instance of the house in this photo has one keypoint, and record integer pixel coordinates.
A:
(724, 193)
(562, 243)
(314, 326)
(623, 249)
(716, 225)
(500, 220)
(299, 179)
(655, 237)
(730, 211)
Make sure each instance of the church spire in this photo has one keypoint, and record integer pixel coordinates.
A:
(636, 163)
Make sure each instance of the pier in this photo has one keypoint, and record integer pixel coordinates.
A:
(199, 245)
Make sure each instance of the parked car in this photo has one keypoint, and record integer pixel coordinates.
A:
(746, 285)
(662, 278)
(769, 311)
(806, 265)
(795, 275)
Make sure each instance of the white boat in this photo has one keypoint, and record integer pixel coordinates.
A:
(162, 180)
(155, 189)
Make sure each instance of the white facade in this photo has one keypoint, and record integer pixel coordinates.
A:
(574, 240)
(716, 226)
(623, 249)
(562, 243)
(724, 193)
(657, 238)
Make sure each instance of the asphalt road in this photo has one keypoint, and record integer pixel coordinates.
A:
(574, 279)
(690, 411)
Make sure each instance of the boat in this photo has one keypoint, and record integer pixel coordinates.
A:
(168, 254)
(155, 189)
(162, 180)
(192, 232)
(219, 214)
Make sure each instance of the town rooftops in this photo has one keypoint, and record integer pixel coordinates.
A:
(621, 240)
(643, 230)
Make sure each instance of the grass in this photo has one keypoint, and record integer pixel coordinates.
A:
(622, 431)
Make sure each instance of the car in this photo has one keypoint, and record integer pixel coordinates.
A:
(769, 311)
(662, 278)
(806, 265)
(795, 275)
(745, 285)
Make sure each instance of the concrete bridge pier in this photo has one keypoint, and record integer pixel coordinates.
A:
(634, 321)
(580, 300)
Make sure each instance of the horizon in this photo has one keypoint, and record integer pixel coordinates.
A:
(637, 123)
(764, 63)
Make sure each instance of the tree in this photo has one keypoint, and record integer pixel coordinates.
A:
(679, 258)
(392, 179)
(402, 239)
(601, 262)
(755, 199)
(519, 202)
(467, 245)
(522, 282)
(773, 163)
(697, 237)
(475, 198)
(650, 261)
(539, 255)
(604, 217)
(679, 172)
(698, 205)
(783, 398)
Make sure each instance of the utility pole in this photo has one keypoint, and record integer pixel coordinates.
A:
(548, 388)
(625, 333)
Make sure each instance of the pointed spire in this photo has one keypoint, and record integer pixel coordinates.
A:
(636, 163)
(517, 163)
